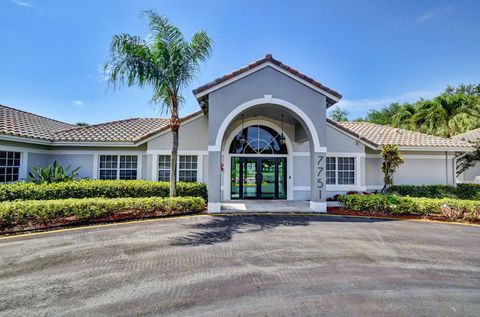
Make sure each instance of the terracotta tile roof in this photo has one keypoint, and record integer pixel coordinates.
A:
(20, 123)
(129, 130)
(470, 136)
(379, 135)
(267, 58)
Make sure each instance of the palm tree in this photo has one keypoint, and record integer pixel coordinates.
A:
(405, 117)
(165, 62)
(442, 113)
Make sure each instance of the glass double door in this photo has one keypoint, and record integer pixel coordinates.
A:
(259, 178)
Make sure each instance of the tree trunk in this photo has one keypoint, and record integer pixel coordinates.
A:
(175, 126)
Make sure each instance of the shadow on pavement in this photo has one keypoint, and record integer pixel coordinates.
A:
(221, 228)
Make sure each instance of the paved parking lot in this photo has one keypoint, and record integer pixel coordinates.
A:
(245, 265)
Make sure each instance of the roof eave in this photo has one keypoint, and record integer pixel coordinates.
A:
(199, 92)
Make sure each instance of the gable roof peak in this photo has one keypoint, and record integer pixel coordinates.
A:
(290, 71)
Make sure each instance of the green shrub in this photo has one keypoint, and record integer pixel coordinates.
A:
(44, 211)
(97, 188)
(429, 191)
(462, 191)
(453, 209)
(52, 173)
(468, 191)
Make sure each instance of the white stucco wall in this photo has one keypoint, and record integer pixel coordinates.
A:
(470, 174)
(193, 136)
(418, 168)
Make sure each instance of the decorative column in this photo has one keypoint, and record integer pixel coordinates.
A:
(318, 182)
(214, 181)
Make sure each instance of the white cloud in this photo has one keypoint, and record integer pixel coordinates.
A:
(78, 103)
(361, 106)
(22, 3)
(432, 14)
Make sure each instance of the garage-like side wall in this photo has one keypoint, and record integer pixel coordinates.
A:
(419, 168)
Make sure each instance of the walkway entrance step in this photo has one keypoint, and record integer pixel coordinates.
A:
(272, 206)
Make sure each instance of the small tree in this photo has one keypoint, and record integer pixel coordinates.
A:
(338, 114)
(391, 161)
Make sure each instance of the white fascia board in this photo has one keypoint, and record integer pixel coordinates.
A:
(436, 148)
(259, 67)
(24, 140)
(440, 156)
(107, 144)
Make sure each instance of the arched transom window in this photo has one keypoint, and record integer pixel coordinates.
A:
(257, 139)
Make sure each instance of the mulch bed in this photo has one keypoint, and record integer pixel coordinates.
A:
(340, 211)
(72, 221)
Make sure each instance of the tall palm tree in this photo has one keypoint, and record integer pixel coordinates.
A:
(165, 62)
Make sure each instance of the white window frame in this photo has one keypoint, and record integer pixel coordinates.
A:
(168, 159)
(356, 172)
(199, 154)
(187, 169)
(20, 166)
(118, 168)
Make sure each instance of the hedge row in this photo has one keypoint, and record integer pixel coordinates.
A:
(97, 188)
(461, 191)
(45, 211)
(454, 209)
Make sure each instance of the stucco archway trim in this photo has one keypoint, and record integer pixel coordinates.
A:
(227, 156)
(267, 99)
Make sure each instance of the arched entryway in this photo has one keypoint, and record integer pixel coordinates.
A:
(258, 157)
(301, 129)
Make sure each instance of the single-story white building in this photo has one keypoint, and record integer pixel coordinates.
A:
(261, 133)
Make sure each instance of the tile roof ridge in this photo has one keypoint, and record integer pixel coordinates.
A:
(96, 125)
(35, 115)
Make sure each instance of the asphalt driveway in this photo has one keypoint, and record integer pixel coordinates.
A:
(245, 265)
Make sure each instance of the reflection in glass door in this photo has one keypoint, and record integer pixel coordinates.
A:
(267, 178)
(250, 176)
(258, 178)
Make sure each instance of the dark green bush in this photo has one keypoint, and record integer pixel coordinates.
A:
(468, 191)
(462, 191)
(454, 209)
(44, 211)
(97, 188)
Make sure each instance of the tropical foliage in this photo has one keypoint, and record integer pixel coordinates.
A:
(41, 212)
(461, 191)
(165, 62)
(455, 110)
(467, 160)
(338, 115)
(52, 173)
(86, 188)
(391, 161)
(452, 209)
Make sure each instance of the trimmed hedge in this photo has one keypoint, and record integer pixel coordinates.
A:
(97, 188)
(454, 209)
(45, 211)
(462, 191)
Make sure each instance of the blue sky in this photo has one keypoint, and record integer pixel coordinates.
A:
(373, 52)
